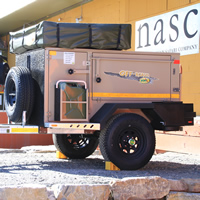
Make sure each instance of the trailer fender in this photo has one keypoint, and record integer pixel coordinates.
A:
(103, 115)
(168, 116)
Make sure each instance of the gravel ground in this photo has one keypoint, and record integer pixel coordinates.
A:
(42, 167)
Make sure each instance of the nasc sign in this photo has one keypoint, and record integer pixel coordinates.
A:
(176, 31)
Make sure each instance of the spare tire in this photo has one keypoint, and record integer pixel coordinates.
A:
(4, 68)
(18, 93)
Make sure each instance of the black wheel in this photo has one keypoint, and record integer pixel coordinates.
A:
(19, 93)
(128, 141)
(4, 68)
(75, 145)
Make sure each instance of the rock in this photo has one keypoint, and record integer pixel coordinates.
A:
(50, 193)
(140, 188)
(178, 185)
(192, 184)
(81, 192)
(182, 196)
(30, 192)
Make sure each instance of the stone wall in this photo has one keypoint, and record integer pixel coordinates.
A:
(142, 188)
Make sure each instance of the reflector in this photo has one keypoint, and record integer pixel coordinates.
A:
(176, 61)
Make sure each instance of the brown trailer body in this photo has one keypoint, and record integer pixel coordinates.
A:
(118, 98)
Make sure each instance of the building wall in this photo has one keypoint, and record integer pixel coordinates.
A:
(130, 11)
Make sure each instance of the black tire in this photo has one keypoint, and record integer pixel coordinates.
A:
(128, 141)
(4, 68)
(75, 146)
(19, 93)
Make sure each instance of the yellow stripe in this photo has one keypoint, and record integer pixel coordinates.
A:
(24, 130)
(134, 95)
(175, 96)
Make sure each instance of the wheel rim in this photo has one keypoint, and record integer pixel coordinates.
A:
(131, 141)
(77, 141)
(11, 93)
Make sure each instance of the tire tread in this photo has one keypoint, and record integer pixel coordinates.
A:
(22, 79)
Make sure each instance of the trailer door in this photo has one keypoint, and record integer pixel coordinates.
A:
(129, 76)
(67, 69)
